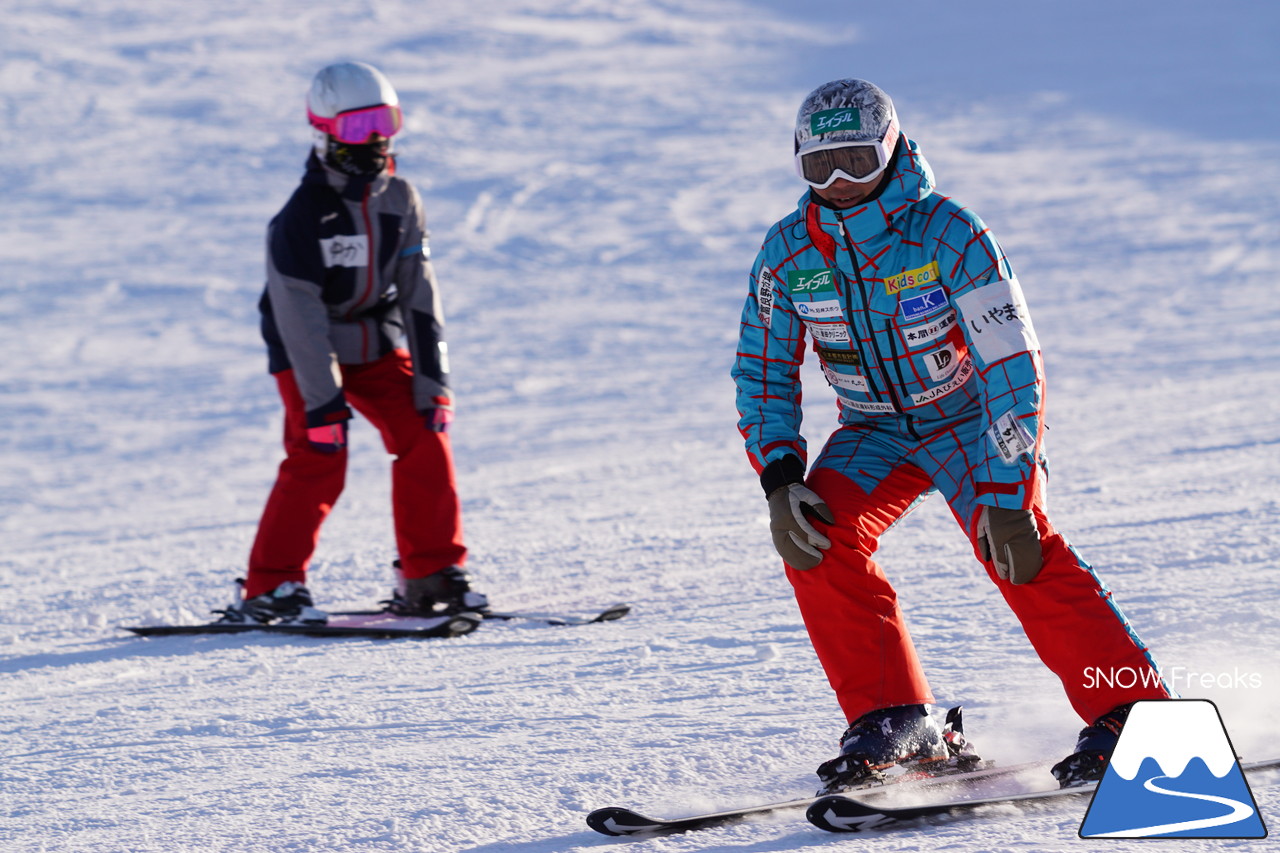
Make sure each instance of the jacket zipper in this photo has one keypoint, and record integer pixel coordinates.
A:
(902, 380)
(866, 311)
(368, 291)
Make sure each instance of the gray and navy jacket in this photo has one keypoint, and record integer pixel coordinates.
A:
(348, 277)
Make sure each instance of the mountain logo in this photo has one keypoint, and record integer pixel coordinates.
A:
(1174, 774)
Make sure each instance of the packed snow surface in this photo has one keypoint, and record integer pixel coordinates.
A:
(598, 176)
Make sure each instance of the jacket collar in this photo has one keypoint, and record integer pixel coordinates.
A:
(910, 181)
(350, 188)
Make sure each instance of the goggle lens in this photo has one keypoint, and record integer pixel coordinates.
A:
(354, 127)
(855, 161)
(858, 161)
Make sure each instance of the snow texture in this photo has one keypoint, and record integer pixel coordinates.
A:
(598, 176)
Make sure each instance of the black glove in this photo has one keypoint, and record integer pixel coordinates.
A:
(1009, 540)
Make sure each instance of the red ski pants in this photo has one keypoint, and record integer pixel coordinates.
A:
(857, 627)
(424, 494)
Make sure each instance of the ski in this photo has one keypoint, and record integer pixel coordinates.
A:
(850, 812)
(624, 821)
(843, 813)
(377, 625)
(608, 614)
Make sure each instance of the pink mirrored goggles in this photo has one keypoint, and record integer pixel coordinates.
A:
(354, 127)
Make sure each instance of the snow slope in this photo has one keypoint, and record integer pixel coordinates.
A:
(598, 176)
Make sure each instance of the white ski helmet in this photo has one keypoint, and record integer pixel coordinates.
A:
(349, 101)
(846, 128)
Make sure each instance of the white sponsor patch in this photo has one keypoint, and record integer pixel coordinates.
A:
(829, 333)
(821, 310)
(961, 376)
(918, 336)
(996, 318)
(1010, 437)
(852, 382)
(867, 407)
(942, 362)
(345, 251)
(764, 296)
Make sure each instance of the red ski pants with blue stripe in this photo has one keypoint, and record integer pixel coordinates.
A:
(426, 510)
(870, 480)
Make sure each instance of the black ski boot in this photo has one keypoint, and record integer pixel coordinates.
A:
(444, 593)
(904, 735)
(288, 604)
(1093, 750)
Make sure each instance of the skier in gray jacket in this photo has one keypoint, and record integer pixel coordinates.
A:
(348, 278)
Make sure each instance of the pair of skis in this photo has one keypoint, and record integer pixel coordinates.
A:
(866, 808)
(380, 624)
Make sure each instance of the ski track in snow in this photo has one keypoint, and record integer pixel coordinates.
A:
(598, 176)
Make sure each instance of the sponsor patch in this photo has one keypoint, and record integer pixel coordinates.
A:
(927, 274)
(829, 121)
(942, 362)
(764, 296)
(866, 406)
(998, 321)
(851, 382)
(918, 336)
(805, 282)
(922, 304)
(962, 374)
(1010, 437)
(829, 333)
(345, 251)
(840, 356)
(819, 310)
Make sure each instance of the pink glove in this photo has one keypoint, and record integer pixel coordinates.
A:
(439, 418)
(330, 438)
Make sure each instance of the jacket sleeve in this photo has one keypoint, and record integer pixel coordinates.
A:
(422, 313)
(1002, 341)
(295, 273)
(766, 371)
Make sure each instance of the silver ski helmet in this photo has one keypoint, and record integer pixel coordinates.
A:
(845, 129)
(348, 104)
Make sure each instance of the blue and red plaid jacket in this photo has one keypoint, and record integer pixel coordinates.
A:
(918, 323)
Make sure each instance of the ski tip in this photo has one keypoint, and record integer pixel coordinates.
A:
(837, 813)
(617, 611)
(619, 821)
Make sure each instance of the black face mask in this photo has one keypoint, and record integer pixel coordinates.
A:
(358, 161)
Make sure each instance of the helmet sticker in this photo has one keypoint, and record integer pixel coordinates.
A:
(829, 121)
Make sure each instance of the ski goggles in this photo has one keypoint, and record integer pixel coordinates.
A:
(860, 162)
(354, 127)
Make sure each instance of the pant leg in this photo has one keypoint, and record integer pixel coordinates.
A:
(849, 607)
(1073, 622)
(307, 486)
(424, 492)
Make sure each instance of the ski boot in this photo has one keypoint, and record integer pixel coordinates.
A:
(1093, 750)
(900, 736)
(288, 604)
(444, 593)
